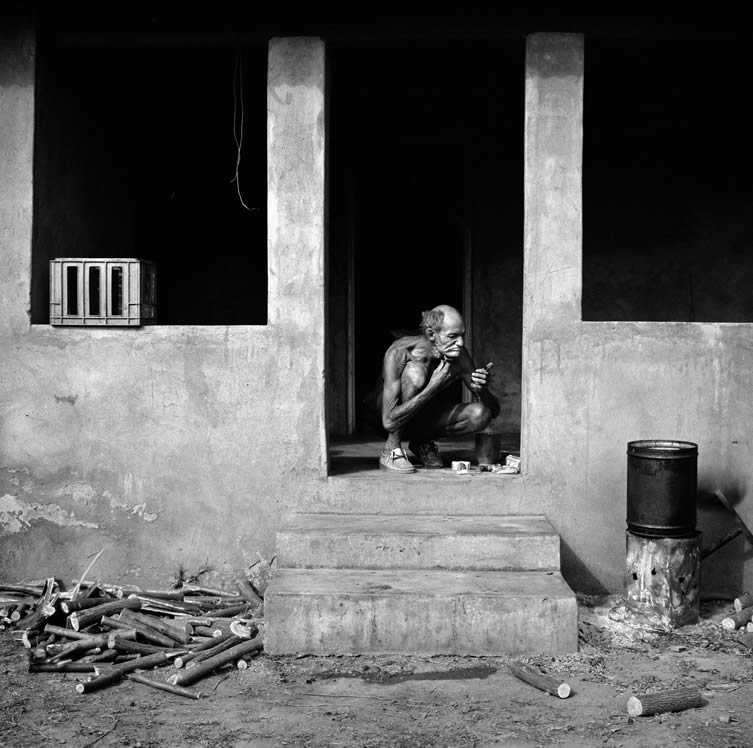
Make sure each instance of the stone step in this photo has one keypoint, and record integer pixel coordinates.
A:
(426, 492)
(346, 611)
(410, 541)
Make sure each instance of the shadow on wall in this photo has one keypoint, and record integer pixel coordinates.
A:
(722, 572)
(577, 574)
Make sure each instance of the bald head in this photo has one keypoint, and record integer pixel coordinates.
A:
(440, 316)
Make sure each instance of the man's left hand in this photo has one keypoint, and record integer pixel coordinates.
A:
(481, 378)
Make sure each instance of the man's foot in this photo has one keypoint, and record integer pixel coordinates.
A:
(395, 461)
(428, 453)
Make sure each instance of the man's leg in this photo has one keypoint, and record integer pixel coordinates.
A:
(443, 420)
(412, 381)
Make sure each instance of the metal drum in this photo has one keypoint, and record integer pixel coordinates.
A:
(662, 479)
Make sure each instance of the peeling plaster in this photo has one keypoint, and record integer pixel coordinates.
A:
(16, 515)
(86, 494)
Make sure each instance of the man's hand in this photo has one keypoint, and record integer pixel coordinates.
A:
(481, 378)
(440, 376)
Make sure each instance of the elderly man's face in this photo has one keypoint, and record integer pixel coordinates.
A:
(449, 338)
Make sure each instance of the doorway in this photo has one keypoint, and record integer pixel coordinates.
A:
(426, 208)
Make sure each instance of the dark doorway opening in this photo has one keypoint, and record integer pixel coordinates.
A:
(426, 208)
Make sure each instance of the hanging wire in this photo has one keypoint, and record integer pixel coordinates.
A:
(238, 126)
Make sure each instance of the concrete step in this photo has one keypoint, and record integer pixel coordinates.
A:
(409, 541)
(346, 611)
(425, 492)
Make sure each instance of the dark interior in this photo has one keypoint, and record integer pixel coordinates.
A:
(135, 156)
(426, 186)
(667, 195)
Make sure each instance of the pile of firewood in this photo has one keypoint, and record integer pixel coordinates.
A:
(742, 618)
(112, 632)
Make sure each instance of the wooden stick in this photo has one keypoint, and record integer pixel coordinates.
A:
(743, 601)
(209, 653)
(130, 647)
(738, 619)
(79, 619)
(32, 590)
(675, 700)
(247, 590)
(230, 611)
(191, 675)
(80, 646)
(164, 686)
(119, 671)
(183, 660)
(539, 680)
(63, 667)
(82, 603)
(199, 590)
(65, 633)
(146, 631)
(155, 624)
(75, 590)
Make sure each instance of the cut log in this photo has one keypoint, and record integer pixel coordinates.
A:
(63, 667)
(231, 610)
(247, 590)
(738, 619)
(148, 627)
(190, 675)
(675, 700)
(542, 681)
(119, 671)
(743, 601)
(183, 660)
(81, 646)
(747, 640)
(164, 686)
(79, 619)
(131, 647)
(213, 591)
(65, 633)
(82, 603)
(209, 653)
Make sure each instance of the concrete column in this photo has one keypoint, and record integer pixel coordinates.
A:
(17, 51)
(296, 237)
(553, 177)
(295, 182)
(552, 283)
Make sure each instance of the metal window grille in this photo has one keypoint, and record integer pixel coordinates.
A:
(105, 291)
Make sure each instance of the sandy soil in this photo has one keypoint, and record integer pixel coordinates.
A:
(411, 701)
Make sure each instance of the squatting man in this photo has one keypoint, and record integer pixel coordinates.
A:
(417, 370)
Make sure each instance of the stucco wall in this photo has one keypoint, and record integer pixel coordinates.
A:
(166, 445)
(590, 387)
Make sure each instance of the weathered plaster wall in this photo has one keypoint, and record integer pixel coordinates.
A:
(166, 445)
(590, 387)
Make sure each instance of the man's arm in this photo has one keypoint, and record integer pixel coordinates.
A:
(477, 380)
(396, 414)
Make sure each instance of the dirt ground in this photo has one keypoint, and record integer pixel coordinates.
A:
(411, 701)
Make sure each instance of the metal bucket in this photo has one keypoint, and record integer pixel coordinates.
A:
(662, 479)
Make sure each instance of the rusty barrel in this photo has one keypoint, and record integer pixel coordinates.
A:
(662, 478)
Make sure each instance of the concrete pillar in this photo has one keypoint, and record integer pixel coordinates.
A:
(552, 283)
(17, 52)
(296, 234)
(295, 182)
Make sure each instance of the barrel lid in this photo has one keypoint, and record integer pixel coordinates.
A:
(662, 449)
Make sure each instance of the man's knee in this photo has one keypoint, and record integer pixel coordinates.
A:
(478, 416)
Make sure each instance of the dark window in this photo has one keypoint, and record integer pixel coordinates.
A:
(667, 218)
(136, 156)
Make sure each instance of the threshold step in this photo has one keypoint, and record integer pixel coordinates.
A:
(344, 611)
(409, 541)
